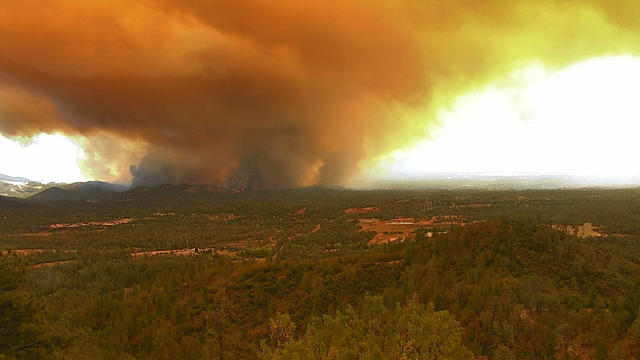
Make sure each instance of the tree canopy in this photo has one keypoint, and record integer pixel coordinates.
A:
(370, 331)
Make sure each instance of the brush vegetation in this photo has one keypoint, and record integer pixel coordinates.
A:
(174, 274)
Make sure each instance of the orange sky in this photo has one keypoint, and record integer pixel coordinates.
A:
(271, 93)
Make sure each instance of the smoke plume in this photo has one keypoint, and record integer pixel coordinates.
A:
(275, 93)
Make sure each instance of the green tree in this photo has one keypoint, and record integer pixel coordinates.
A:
(19, 328)
(503, 353)
(218, 321)
(634, 336)
(281, 330)
(371, 331)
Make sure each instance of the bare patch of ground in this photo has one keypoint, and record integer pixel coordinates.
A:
(251, 242)
(227, 249)
(362, 210)
(192, 189)
(222, 217)
(384, 238)
(53, 263)
(240, 244)
(159, 215)
(400, 229)
(191, 252)
(41, 233)
(225, 252)
(272, 241)
(163, 214)
(25, 252)
(90, 223)
(394, 262)
(472, 206)
(181, 252)
(618, 235)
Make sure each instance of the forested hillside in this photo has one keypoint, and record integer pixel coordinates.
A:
(199, 274)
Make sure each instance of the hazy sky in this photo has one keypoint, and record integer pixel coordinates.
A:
(285, 93)
(47, 158)
(582, 121)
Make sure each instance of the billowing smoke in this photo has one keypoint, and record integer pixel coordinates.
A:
(270, 93)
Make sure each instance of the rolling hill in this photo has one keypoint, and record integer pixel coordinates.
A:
(84, 191)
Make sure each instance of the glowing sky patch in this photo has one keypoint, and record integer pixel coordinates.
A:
(48, 158)
(581, 121)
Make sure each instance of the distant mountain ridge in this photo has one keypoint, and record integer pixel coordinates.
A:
(19, 187)
(22, 190)
(95, 186)
(82, 191)
(101, 191)
(98, 191)
(4, 177)
(13, 187)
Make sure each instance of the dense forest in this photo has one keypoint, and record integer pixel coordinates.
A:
(179, 272)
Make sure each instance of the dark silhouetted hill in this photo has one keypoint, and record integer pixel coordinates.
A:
(77, 192)
(176, 192)
(10, 202)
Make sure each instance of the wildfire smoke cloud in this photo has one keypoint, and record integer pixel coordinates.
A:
(275, 93)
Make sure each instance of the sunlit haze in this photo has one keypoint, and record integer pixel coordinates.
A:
(46, 158)
(581, 121)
